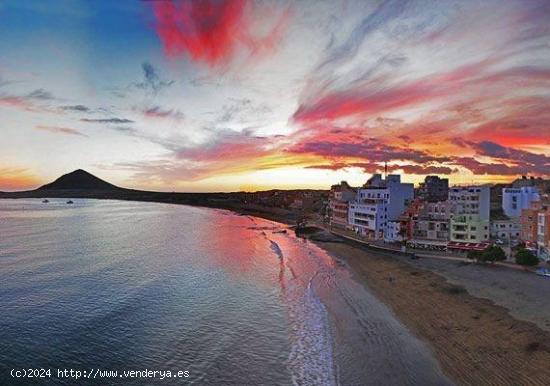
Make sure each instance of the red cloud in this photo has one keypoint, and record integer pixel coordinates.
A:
(375, 98)
(210, 31)
(16, 102)
(158, 112)
(230, 147)
(344, 104)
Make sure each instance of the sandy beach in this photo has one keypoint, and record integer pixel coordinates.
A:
(463, 314)
(487, 325)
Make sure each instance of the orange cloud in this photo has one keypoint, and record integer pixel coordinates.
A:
(17, 179)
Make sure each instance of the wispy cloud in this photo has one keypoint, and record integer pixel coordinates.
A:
(77, 108)
(40, 94)
(152, 81)
(60, 130)
(107, 120)
(17, 102)
(342, 52)
(159, 112)
(32, 102)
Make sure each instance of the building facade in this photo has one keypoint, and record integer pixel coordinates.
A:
(535, 227)
(434, 189)
(339, 198)
(393, 232)
(378, 202)
(431, 228)
(514, 200)
(543, 234)
(528, 224)
(407, 218)
(506, 230)
(470, 209)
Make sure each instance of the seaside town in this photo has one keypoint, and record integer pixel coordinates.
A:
(255, 192)
(507, 221)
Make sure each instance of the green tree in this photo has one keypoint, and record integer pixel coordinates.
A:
(525, 257)
(474, 255)
(519, 246)
(492, 253)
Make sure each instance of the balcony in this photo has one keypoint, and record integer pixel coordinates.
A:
(460, 219)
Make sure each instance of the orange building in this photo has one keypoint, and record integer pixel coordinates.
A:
(528, 223)
(535, 227)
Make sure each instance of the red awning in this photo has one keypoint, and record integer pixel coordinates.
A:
(467, 246)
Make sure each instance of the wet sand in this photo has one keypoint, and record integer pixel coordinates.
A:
(476, 341)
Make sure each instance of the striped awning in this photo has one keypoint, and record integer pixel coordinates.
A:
(467, 246)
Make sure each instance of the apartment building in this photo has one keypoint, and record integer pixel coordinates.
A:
(378, 202)
(431, 228)
(528, 224)
(543, 234)
(514, 200)
(339, 198)
(393, 232)
(506, 230)
(434, 189)
(470, 208)
(407, 218)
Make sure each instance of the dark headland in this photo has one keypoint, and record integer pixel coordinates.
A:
(281, 205)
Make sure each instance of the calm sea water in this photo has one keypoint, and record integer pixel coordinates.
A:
(131, 286)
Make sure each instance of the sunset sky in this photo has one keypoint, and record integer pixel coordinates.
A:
(244, 95)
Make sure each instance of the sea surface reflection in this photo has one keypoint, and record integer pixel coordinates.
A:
(229, 298)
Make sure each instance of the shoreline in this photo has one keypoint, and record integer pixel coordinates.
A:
(474, 339)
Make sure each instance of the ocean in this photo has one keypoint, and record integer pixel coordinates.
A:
(108, 287)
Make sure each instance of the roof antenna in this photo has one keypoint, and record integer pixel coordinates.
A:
(385, 169)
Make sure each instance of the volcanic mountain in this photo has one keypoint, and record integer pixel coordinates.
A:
(79, 180)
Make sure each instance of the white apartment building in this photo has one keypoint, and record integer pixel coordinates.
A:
(378, 202)
(506, 230)
(470, 207)
(393, 232)
(514, 200)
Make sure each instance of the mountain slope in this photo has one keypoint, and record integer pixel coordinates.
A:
(79, 180)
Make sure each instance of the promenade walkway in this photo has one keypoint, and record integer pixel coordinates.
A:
(413, 253)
